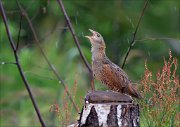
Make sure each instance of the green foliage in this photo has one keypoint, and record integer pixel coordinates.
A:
(115, 20)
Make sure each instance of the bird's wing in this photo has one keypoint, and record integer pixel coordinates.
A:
(117, 68)
(114, 76)
(117, 80)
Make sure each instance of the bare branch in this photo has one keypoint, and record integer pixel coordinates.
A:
(44, 55)
(3, 63)
(74, 35)
(20, 24)
(76, 42)
(19, 65)
(134, 35)
(161, 38)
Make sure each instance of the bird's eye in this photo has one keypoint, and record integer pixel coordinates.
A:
(98, 35)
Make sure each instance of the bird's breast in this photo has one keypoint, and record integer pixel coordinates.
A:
(97, 69)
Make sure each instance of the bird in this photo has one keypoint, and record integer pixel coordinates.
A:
(108, 72)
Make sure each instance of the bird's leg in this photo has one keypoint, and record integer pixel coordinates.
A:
(123, 90)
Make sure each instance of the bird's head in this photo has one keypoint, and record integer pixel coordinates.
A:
(96, 40)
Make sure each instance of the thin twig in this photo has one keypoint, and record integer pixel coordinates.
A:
(3, 63)
(134, 35)
(154, 39)
(18, 41)
(76, 42)
(19, 65)
(44, 55)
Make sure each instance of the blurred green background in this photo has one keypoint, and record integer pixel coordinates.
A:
(116, 20)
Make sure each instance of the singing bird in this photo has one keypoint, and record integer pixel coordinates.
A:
(106, 71)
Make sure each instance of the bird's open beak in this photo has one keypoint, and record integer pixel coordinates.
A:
(93, 32)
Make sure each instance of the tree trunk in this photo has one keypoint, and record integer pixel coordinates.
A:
(109, 109)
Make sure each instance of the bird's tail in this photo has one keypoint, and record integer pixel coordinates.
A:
(133, 92)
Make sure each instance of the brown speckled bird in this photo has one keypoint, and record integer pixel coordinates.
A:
(106, 71)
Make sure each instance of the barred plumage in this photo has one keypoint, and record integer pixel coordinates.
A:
(106, 71)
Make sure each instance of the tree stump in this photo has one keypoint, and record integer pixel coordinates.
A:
(109, 109)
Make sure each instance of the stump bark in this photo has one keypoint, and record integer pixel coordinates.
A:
(109, 109)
